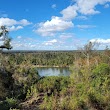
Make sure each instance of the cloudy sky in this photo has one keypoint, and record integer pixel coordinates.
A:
(56, 24)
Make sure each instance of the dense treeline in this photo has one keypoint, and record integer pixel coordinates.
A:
(49, 58)
(87, 88)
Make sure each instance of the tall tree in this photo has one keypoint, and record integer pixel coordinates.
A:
(5, 38)
(89, 50)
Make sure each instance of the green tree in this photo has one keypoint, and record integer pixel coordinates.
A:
(89, 50)
(4, 34)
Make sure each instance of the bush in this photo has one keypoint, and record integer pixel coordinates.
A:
(101, 69)
(8, 103)
(52, 83)
(11, 102)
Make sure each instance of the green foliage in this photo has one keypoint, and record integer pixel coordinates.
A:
(4, 32)
(25, 78)
(3, 90)
(88, 88)
(52, 83)
(26, 75)
(11, 102)
(8, 103)
(102, 69)
(32, 91)
(42, 58)
(7, 43)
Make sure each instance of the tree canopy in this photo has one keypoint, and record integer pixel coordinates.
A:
(5, 38)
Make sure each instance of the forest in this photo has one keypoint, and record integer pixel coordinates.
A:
(86, 88)
(42, 58)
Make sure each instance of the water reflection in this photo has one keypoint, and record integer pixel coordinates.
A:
(44, 71)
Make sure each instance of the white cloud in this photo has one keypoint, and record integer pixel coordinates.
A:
(101, 41)
(13, 24)
(13, 28)
(49, 28)
(7, 22)
(87, 7)
(51, 42)
(65, 36)
(82, 17)
(85, 26)
(70, 12)
(80, 9)
(24, 43)
(19, 37)
(53, 6)
(24, 22)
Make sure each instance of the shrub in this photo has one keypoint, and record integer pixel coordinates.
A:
(101, 69)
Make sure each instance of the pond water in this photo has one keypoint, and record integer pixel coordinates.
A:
(53, 71)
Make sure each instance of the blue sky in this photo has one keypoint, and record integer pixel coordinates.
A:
(56, 24)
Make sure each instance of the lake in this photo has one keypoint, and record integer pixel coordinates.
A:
(53, 71)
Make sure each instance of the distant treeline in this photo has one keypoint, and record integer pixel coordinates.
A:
(42, 58)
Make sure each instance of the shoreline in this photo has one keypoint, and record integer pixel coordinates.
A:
(45, 66)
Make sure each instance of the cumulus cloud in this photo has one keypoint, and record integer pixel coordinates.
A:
(85, 7)
(13, 28)
(70, 12)
(56, 24)
(51, 42)
(24, 22)
(7, 22)
(12, 24)
(82, 17)
(101, 41)
(80, 8)
(88, 7)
